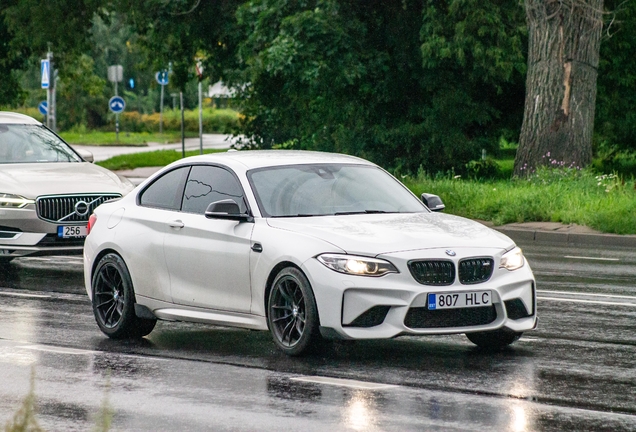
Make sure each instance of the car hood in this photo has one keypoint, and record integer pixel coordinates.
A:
(31, 180)
(382, 234)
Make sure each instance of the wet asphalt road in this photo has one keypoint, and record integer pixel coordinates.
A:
(577, 371)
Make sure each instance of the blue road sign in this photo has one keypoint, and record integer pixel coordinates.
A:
(43, 107)
(116, 104)
(45, 72)
(162, 77)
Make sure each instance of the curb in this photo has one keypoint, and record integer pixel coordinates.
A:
(526, 235)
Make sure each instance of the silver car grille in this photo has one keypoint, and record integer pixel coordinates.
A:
(70, 208)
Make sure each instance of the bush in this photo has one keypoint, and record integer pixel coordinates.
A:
(483, 169)
(214, 121)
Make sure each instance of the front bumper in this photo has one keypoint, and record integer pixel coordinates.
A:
(22, 233)
(356, 307)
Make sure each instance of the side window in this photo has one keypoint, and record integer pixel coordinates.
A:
(207, 184)
(166, 191)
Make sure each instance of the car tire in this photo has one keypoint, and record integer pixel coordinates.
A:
(114, 300)
(292, 314)
(495, 339)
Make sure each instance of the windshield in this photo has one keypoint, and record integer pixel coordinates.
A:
(33, 143)
(330, 189)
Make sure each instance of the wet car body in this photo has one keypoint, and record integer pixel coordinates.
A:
(47, 190)
(308, 245)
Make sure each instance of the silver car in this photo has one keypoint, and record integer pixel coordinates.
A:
(47, 190)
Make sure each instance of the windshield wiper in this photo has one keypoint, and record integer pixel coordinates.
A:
(361, 212)
(299, 215)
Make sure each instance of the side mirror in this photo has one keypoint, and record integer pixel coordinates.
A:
(433, 202)
(86, 155)
(226, 209)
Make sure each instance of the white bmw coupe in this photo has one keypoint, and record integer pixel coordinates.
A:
(308, 245)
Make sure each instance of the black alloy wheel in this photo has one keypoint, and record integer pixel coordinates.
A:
(114, 301)
(292, 313)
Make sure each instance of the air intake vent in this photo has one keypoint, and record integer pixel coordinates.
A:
(370, 318)
(422, 318)
(475, 270)
(516, 309)
(433, 272)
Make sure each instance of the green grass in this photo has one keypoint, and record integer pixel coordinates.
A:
(606, 203)
(603, 202)
(148, 159)
(125, 138)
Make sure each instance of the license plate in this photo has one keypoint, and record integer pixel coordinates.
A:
(459, 300)
(71, 231)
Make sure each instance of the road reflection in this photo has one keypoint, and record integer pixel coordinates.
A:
(56, 274)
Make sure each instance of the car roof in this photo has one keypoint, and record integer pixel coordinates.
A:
(251, 159)
(7, 117)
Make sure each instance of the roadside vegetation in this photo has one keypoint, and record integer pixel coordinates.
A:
(157, 158)
(605, 202)
(141, 139)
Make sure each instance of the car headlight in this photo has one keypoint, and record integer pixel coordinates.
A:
(512, 260)
(14, 201)
(357, 265)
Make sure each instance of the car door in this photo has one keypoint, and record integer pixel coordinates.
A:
(208, 259)
(142, 236)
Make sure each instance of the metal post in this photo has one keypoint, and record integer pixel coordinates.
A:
(161, 112)
(49, 113)
(53, 107)
(200, 118)
(182, 126)
(116, 115)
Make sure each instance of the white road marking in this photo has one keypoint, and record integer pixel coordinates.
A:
(363, 385)
(587, 301)
(591, 258)
(24, 295)
(587, 294)
(58, 350)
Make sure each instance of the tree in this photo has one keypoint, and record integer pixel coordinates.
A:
(615, 119)
(563, 58)
(10, 61)
(385, 80)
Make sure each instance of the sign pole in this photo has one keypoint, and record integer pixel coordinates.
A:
(49, 114)
(116, 117)
(161, 112)
(53, 109)
(182, 126)
(162, 80)
(115, 75)
(200, 117)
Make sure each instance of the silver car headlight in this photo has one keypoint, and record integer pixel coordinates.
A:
(14, 201)
(357, 265)
(512, 260)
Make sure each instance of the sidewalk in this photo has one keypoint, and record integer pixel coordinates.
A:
(210, 141)
(556, 232)
(552, 232)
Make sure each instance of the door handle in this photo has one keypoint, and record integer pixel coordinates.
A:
(176, 224)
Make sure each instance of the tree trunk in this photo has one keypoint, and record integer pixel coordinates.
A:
(563, 55)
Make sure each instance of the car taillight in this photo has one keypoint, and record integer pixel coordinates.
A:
(91, 223)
